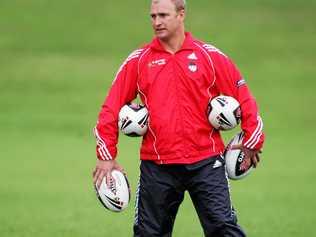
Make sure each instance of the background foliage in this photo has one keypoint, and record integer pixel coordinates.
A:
(57, 59)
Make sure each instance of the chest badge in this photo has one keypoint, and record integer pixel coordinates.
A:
(192, 56)
(193, 67)
(192, 62)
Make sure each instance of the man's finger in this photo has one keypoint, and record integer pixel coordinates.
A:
(245, 164)
(95, 175)
(109, 179)
(100, 178)
(254, 161)
(94, 171)
(124, 172)
(236, 147)
(119, 168)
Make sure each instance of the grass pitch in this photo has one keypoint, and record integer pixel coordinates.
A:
(57, 59)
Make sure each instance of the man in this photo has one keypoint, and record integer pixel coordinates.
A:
(176, 76)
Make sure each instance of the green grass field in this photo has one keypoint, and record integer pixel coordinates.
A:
(57, 59)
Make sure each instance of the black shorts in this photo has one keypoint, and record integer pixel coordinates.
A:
(161, 191)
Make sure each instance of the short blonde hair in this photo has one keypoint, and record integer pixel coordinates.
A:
(180, 4)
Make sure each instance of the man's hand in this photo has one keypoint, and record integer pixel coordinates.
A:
(103, 169)
(251, 156)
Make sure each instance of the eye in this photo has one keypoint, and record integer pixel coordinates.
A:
(162, 15)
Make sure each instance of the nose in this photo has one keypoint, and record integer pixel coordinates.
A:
(157, 21)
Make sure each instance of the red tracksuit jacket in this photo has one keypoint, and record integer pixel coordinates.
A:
(176, 89)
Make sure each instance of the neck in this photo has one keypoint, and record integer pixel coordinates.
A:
(175, 43)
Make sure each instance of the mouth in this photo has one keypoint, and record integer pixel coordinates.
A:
(160, 30)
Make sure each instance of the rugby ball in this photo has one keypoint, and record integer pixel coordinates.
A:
(234, 158)
(116, 197)
(133, 120)
(224, 112)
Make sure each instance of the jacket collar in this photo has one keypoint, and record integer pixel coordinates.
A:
(187, 44)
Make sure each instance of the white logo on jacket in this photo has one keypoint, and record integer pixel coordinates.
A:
(192, 56)
(157, 62)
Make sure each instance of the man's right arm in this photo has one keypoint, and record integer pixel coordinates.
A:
(123, 90)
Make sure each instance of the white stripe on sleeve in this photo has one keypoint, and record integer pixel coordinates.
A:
(102, 149)
(255, 136)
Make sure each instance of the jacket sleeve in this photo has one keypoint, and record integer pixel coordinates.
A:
(122, 91)
(230, 82)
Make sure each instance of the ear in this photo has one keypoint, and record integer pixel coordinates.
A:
(181, 14)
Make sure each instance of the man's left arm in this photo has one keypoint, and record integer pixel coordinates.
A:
(230, 82)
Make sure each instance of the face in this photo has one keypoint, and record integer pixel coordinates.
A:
(166, 21)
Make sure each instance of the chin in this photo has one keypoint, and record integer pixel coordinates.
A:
(162, 36)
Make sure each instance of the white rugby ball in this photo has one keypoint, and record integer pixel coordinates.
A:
(116, 197)
(234, 158)
(224, 112)
(133, 120)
